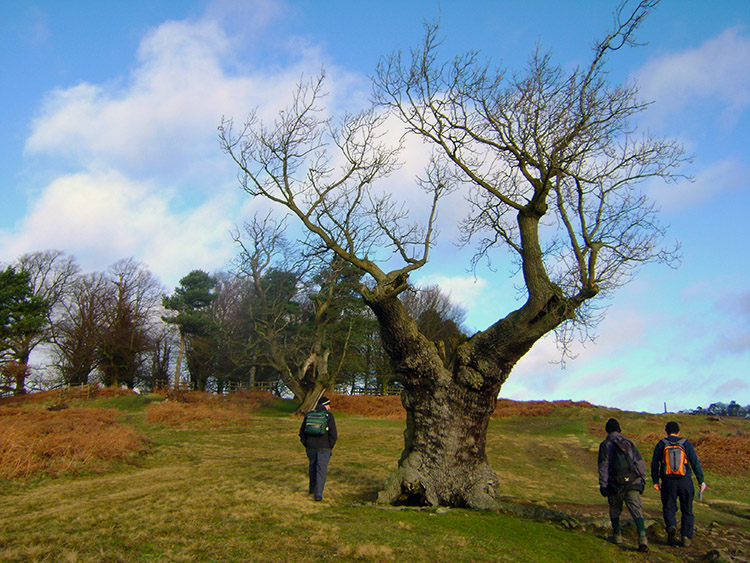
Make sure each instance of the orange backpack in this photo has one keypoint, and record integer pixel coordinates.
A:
(675, 459)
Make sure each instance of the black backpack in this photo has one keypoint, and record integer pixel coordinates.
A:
(622, 472)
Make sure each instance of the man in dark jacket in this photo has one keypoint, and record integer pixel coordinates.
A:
(622, 476)
(319, 449)
(674, 474)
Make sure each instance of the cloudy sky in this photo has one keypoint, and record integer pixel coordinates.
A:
(109, 150)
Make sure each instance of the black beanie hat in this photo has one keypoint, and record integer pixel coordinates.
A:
(323, 401)
(612, 426)
(672, 427)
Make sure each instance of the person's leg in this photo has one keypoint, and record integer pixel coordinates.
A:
(322, 458)
(615, 509)
(669, 508)
(635, 507)
(311, 469)
(686, 492)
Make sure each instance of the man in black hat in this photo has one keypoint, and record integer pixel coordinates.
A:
(674, 458)
(622, 476)
(318, 434)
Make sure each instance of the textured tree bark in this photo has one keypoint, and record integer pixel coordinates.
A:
(178, 365)
(310, 400)
(322, 380)
(19, 371)
(449, 402)
(444, 461)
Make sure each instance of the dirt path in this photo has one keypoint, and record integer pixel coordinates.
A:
(710, 543)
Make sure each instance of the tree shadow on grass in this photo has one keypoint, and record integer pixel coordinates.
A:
(354, 488)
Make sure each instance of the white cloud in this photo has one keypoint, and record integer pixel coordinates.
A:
(151, 181)
(35, 30)
(600, 372)
(730, 390)
(248, 17)
(721, 177)
(466, 291)
(157, 126)
(717, 71)
(102, 217)
(162, 119)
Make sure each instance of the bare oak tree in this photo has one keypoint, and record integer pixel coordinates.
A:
(130, 313)
(552, 165)
(79, 323)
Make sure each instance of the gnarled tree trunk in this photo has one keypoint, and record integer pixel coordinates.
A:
(449, 402)
(321, 382)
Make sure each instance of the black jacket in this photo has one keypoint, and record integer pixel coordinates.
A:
(657, 462)
(324, 442)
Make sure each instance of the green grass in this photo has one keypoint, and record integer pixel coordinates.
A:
(240, 494)
(126, 403)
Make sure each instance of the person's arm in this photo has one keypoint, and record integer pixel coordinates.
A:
(333, 434)
(656, 464)
(302, 435)
(695, 463)
(640, 464)
(603, 463)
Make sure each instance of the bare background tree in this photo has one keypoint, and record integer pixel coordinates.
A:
(77, 329)
(551, 163)
(305, 318)
(438, 318)
(131, 308)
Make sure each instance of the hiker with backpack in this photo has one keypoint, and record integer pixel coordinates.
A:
(622, 477)
(318, 434)
(674, 461)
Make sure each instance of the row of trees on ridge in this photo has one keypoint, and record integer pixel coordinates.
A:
(279, 315)
(723, 409)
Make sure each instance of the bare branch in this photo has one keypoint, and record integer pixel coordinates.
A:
(551, 159)
(324, 174)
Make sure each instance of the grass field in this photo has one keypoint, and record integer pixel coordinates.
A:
(214, 480)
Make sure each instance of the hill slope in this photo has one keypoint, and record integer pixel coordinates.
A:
(225, 480)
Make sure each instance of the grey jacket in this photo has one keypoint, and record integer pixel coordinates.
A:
(605, 455)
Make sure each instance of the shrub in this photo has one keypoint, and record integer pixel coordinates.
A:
(41, 441)
(196, 408)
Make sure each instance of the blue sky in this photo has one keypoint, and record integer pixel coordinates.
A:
(108, 149)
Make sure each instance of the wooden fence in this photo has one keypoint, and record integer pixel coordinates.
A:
(90, 391)
(234, 386)
(230, 386)
(378, 392)
(68, 392)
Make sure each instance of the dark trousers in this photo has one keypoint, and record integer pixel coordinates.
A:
(672, 490)
(317, 469)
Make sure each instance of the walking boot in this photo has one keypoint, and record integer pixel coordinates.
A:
(616, 531)
(642, 543)
(686, 541)
(671, 535)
